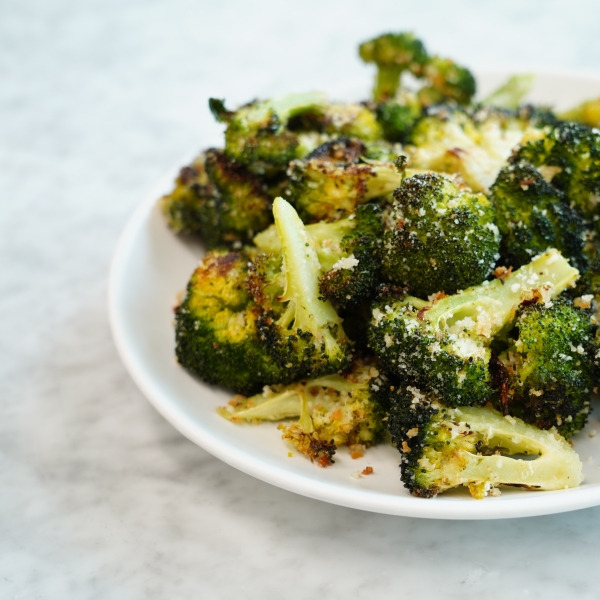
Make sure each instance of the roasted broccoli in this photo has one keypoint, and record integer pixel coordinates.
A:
(395, 53)
(443, 448)
(532, 216)
(219, 200)
(511, 93)
(334, 410)
(334, 179)
(569, 158)
(439, 236)
(548, 366)
(303, 332)
(348, 251)
(443, 344)
(216, 327)
(475, 143)
(397, 117)
(256, 134)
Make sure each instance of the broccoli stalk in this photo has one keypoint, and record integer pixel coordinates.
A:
(443, 448)
(304, 333)
(511, 93)
(444, 344)
(332, 411)
(348, 251)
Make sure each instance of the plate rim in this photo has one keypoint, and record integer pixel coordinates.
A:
(532, 504)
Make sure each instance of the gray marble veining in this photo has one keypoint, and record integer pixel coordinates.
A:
(100, 497)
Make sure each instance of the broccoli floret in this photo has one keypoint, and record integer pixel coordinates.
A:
(256, 134)
(216, 327)
(446, 81)
(439, 236)
(333, 411)
(569, 158)
(443, 448)
(219, 200)
(334, 179)
(511, 93)
(393, 53)
(397, 117)
(532, 216)
(303, 332)
(548, 366)
(443, 344)
(474, 143)
(348, 251)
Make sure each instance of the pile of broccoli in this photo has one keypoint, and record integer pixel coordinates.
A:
(419, 268)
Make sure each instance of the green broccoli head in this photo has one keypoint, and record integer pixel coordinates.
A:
(532, 216)
(398, 118)
(446, 81)
(549, 366)
(439, 236)
(569, 158)
(475, 143)
(216, 328)
(443, 344)
(332, 411)
(393, 53)
(303, 332)
(257, 135)
(333, 180)
(443, 448)
(219, 200)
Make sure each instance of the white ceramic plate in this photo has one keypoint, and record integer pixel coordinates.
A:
(151, 265)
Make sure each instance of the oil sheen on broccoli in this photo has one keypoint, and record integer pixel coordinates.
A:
(443, 448)
(440, 236)
(443, 345)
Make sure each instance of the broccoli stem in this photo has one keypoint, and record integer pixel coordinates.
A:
(285, 107)
(547, 275)
(302, 272)
(511, 93)
(557, 466)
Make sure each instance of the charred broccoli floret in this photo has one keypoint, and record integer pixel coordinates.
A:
(443, 345)
(303, 332)
(393, 53)
(440, 236)
(548, 366)
(333, 411)
(216, 327)
(532, 216)
(569, 158)
(334, 179)
(474, 143)
(257, 135)
(398, 116)
(219, 200)
(348, 251)
(443, 448)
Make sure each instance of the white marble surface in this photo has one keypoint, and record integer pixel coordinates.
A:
(100, 497)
